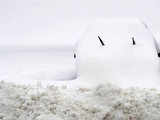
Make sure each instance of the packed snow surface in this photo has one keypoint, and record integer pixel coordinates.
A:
(26, 65)
(103, 102)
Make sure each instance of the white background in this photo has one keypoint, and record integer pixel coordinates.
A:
(59, 22)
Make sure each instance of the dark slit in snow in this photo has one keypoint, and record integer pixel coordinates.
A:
(101, 41)
(133, 41)
(74, 55)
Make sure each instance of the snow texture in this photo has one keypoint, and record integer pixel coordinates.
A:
(27, 65)
(118, 61)
(103, 102)
(105, 88)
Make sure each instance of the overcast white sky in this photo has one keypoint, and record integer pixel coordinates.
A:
(59, 22)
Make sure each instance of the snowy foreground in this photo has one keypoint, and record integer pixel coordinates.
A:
(103, 102)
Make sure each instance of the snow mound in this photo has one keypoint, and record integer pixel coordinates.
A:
(120, 51)
(103, 102)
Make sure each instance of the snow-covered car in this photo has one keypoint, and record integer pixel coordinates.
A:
(120, 51)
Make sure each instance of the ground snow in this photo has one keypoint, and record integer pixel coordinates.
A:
(104, 102)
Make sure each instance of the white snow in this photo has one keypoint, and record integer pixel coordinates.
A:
(27, 65)
(106, 87)
(103, 102)
(118, 62)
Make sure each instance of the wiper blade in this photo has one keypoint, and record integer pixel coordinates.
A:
(101, 41)
(133, 41)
